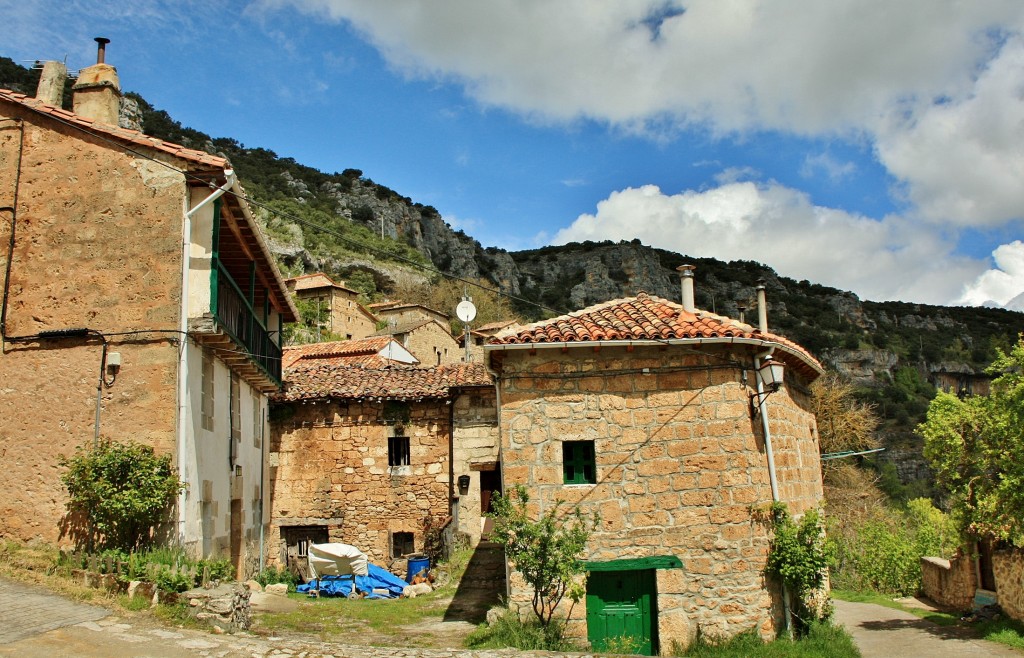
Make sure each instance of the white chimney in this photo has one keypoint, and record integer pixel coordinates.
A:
(686, 280)
(98, 91)
(762, 308)
(51, 83)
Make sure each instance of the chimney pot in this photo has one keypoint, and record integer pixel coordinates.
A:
(762, 307)
(101, 49)
(686, 281)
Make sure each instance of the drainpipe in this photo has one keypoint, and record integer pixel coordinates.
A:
(186, 257)
(762, 325)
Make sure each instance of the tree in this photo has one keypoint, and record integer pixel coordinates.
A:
(976, 447)
(843, 422)
(122, 492)
(547, 552)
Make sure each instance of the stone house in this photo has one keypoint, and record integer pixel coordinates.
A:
(140, 302)
(481, 335)
(345, 316)
(375, 352)
(379, 458)
(647, 412)
(397, 313)
(430, 341)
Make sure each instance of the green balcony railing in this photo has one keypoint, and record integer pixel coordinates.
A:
(236, 316)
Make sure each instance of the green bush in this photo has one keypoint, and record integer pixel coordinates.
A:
(273, 576)
(118, 495)
(883, 553)
(823, 640)
(509, 631)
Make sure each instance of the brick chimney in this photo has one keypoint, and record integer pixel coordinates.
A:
(98, 91)
(51, 83)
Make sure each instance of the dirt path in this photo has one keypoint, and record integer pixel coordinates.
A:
(881, 632)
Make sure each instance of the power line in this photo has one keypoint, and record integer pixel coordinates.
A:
(299, 220)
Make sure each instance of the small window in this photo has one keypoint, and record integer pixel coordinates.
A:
(398, 451)
(578, 464)
(206, 404)
(402, 543)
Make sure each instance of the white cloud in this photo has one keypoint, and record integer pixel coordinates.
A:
(963, 159)
(780, 227)
(936, 82)
(1002, 283)
(834, 170)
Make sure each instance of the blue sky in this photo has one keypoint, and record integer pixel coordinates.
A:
(873, 146)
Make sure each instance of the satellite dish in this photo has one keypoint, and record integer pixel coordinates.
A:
(465, 311)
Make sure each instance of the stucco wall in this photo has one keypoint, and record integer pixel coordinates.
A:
(329, 467)
(680, 465)
(98, 246)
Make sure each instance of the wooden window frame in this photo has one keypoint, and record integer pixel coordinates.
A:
(579, 462)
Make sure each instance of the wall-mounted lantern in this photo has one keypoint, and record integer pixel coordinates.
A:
(770, 376)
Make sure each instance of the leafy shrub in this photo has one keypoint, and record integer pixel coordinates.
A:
(511, 631)
(173, 580)
(121, 492)
(273, 576)
(800, 556)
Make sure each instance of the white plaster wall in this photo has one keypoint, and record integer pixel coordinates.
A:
(205, 458)
(200, 255)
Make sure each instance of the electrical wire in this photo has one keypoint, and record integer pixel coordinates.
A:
(299, 220)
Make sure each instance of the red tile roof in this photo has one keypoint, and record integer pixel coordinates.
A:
(644, 317)
(107, 130)
(338, 348)
(320, 380)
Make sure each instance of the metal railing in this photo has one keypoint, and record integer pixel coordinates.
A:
(237, 317)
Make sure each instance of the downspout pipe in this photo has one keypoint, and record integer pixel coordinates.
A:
(186, 257)
(762, 406)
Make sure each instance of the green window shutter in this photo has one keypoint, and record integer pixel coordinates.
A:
(578, 462)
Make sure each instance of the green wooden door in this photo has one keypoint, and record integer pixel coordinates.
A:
(621, 611)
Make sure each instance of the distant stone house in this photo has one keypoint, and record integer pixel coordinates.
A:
(344, 316)
(374, 352)
(479, 337)
(379, 458)
(397, 313)
(645, 411)
(140, 302)
(429, 341)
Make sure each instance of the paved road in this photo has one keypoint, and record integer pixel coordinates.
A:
(881, 632)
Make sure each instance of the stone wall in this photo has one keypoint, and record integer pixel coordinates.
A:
(476, 451)
(329, 467)
(950, 583)
(433, 345)
(680, 467)
(97, 245)
(1008, 567)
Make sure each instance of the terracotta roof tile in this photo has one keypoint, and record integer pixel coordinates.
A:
(644, 317)
(321, 380)
(339, 348)
(122, 134)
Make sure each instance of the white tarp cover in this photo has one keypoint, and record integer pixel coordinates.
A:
(336, 560)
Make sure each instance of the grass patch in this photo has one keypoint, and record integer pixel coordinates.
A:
(823, 640)
(1001, 631)
(510, 631)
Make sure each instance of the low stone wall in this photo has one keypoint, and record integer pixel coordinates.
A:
(1008, 568)
(949, 583)
(225, 607)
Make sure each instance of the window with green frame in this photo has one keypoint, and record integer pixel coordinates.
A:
(578, 462)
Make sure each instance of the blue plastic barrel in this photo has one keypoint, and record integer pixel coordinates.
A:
(416, 565)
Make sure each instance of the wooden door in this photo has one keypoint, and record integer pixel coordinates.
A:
(621, 611)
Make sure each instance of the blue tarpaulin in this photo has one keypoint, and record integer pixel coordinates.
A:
(378, 584)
